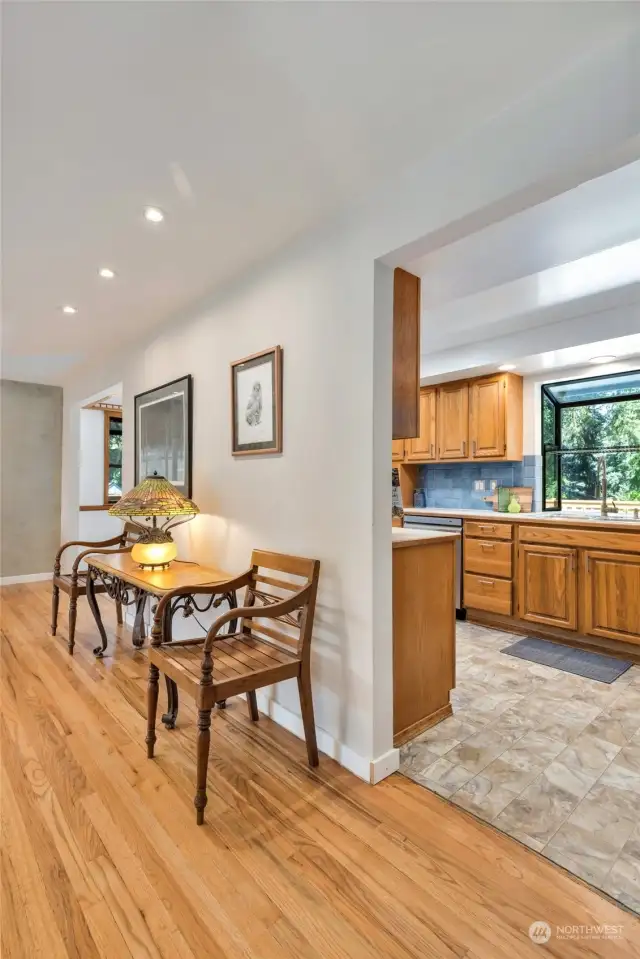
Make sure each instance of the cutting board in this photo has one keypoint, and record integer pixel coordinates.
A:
(524, 494)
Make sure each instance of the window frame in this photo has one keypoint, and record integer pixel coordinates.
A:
(108, 415)
(558, 406)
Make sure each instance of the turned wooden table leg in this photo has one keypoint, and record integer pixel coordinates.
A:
(55, 602)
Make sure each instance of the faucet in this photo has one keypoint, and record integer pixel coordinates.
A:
(602, 470)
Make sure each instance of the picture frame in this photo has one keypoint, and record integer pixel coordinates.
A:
(163, 433)
(256, 403)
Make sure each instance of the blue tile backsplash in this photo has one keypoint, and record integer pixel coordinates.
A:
(450, 485)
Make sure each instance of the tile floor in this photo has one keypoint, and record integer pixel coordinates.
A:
(549, 758)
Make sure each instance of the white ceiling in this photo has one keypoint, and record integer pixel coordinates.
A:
(247, 123)
(597, 215)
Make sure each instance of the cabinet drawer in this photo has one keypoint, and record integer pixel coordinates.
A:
(489, 557)
(491, 595)
(488, 530)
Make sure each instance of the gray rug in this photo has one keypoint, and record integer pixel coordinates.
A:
(604, 669)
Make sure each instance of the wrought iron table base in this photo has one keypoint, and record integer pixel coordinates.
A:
(122, 592)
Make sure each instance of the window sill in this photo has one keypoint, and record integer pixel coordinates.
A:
(88, 509)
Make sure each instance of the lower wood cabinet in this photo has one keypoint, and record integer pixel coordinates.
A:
(488, 594)
(612, 595)
(547, 585)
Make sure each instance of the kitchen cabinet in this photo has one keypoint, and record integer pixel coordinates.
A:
(406, 354)
(611, 595)
(397, 451)
(424, 632)
(495, 417)
(547, 585)
(487, 417)
(453, 421)
(423, 449)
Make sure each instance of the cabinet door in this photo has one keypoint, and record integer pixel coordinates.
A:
(397, 451)
(612, 595)
(423, 449)
(488, 417)
(453, 421)
(547, 581)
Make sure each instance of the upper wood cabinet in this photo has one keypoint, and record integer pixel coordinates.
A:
(547, 585)
(424, 449)
(453, 421)
(495, 422)
(487, 417)
(397, 451)
(611, 595)
(406, 354)
(477, 419)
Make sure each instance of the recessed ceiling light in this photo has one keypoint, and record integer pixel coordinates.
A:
(106, 273)
(153, 214)
(599, 360)
(506, 367)
(69, 309)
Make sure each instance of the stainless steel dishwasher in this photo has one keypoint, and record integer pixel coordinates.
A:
(439, 524)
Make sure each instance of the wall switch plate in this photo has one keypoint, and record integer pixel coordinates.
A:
(493, 484)
(479, 486)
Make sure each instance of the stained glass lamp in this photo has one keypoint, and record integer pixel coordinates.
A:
(155, 496)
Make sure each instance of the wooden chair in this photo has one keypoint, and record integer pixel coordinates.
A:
(221, 665)
(74, 584)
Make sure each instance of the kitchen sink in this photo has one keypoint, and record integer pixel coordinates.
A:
(596, 517)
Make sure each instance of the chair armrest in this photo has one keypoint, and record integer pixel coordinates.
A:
(91, 552)
(207, 588)
(79, 542)
(296, 601)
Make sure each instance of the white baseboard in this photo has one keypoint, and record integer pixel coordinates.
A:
(28, 578)
(384, 766)
(371, 771)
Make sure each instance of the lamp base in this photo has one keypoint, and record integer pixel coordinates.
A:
(154, 567)
(154, 551)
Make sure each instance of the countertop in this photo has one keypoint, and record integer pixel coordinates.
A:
(564, 519)
(415, 537)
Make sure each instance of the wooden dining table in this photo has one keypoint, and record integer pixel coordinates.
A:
(123, 580)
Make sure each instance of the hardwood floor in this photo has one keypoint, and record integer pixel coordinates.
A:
(101, 856)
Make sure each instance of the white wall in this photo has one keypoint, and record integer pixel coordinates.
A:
(328, 494)
(91, 457)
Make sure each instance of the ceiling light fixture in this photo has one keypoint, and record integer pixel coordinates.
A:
(69, 309)
(106, 273)
(506, 367)
(600, 360)
(153, 214)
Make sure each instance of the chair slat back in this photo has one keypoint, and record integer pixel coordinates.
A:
(130, 534)
(290, 632)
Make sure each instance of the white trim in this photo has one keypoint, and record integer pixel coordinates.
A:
(384, 766)
(371, 771)
(355, 763)
(29, 578)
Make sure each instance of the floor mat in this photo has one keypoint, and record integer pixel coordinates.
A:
(604, 669)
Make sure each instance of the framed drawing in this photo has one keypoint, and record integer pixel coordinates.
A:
(163, 428)
(256, 403)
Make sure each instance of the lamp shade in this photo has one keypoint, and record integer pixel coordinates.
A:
(154, 496)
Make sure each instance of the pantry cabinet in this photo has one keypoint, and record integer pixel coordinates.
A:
(453, 421)
(423, 449)
(547, 585)
(611, 595)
